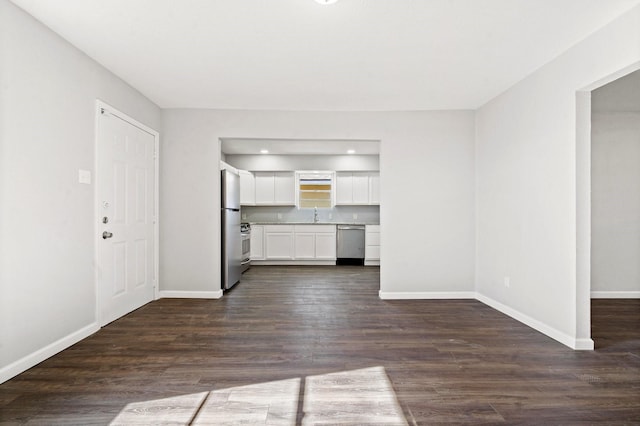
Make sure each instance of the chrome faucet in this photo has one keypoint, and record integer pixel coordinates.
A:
(315, 215)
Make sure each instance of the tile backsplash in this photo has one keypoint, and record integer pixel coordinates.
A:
(289, 214)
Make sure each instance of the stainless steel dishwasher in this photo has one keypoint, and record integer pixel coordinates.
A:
(350, 241)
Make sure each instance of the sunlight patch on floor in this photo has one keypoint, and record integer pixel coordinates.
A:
(362, 396)
(174, 410)
(263, 403)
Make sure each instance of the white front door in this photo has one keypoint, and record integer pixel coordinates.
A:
(125, 185)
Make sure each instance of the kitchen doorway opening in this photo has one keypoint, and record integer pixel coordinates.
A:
(284, 230)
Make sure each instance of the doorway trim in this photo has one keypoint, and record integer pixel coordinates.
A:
(583, 206)
(99, 107)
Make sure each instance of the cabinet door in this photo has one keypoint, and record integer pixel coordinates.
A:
(279, 245)
(372, 242)
(247, 188)
(374, 187)
(360, 188)
(326, 246)
(257, 242)
(305, 245)
(265, 188)
(372, 253)
(344, 188)
(284, 188)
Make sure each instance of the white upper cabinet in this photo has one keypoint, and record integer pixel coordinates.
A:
(360, 188)
(265, 187)
(275, 188)
(374, 187)
(227, 166)
(357, 188)
(247, 188)
(285, 188)
(344, 188)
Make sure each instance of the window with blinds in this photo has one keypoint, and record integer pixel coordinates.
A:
(315, 190)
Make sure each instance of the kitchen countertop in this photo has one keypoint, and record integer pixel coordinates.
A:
(312, 223)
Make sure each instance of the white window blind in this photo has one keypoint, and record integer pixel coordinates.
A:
(315, 190)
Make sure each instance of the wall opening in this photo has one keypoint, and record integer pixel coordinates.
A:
(606, 161)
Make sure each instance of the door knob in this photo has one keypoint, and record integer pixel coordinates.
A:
(106, 235)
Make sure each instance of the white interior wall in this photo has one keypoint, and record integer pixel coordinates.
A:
(526, 186)
(615, 161)
(47, 108)
(615, 195)
(304, 162)
(427, 191)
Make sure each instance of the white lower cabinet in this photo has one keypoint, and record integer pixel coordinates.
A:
(315, 242)
(326, 245)
(305, 245)
(257, 242)
(372, 245)
(293, 243)
(278, 242)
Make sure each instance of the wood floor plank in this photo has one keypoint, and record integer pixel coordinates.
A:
(316, 345)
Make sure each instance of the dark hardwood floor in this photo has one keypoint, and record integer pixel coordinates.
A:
(311, 345)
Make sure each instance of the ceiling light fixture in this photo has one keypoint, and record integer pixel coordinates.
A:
(264, 151)
(351, 151)
(325, 2)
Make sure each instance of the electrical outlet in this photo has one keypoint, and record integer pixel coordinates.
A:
(244, 216)
(279, 216)
(355, 216)
(330, 216)
(507, 282)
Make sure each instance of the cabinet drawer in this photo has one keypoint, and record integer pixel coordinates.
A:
(316, 229)
(278, 228)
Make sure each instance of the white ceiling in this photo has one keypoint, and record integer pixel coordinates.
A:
(299, 55)
(238, 146)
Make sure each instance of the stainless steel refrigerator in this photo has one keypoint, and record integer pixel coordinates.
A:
(231, 238)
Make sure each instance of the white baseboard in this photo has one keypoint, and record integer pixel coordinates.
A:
(615, 294)
(565, 339)
(583, 345)
(169, 294)
(374, 262)
(48, 351)
(403, 295)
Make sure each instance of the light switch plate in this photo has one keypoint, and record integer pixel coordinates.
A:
(84, 176)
